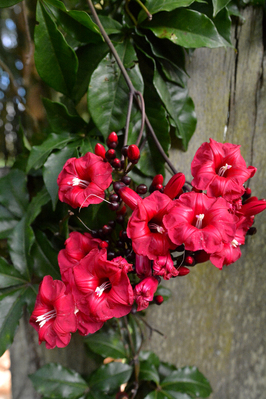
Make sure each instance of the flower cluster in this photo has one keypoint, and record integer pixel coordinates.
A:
(112, 272)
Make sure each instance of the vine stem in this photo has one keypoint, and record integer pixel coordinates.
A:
(132, 89)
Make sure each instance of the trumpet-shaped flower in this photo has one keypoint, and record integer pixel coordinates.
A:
(144, 292)
(83, 180)
(220, 169)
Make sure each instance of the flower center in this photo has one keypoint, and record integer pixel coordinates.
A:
(223, 169)
(80, 182)
(234, 243)
(156, 228)
(104, 286)
(199, 221)
(42, 319)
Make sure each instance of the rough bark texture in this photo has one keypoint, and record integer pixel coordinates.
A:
(216, 319)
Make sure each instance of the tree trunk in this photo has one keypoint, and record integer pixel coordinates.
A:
(216, 319)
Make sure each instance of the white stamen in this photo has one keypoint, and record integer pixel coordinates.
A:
(42, 319)
(80, 182)
(199, 221)
(222, 170)
(100, 289)
(92, 194)
(158, 228)
(234, 243)
(76, 310)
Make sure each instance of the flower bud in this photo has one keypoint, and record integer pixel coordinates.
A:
(183, 271)
(129, 196)
(110, 154)
(133, 153)
(158, 300)
(116, 163)
(99, 150)
(174, 186)
(190, 261)
(144, 292)
(113, 137)
(253, 206)
(143, 266)
(157, 180)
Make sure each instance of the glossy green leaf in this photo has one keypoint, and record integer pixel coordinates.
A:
(148, 372)
(36, 204)
(7, 222)
(149, 356)
(187, 28)
(163, 291)
(13, 192)
(44, 257)
(89, 57)
(11, 309)
(108, 91)
(108, 378)
(9, 276)
(155, 6)
(218, 5)
(56, 382)
(179, 106)
(135, 331)
(53, 166)
(39, 154)
(8, 3)
(165, 369)
(60, 120)
(55, 61)
(107, 344)
(110, 25)
(77, 23)
(20, 242)
(187, 380)
(164, 394)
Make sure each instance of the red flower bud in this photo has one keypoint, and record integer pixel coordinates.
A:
(133, 153)
(143, 266)
(110, 154)
(190, 261)
(158, 299)
(122, 211)
(159, 187)
(183, 271)
(157, 180)
(112, 137)
(116, 163)
(253, 206)
(174, 186)
(129, 196)
(99, 150)
(103, 244)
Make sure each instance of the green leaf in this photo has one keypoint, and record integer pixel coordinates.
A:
(11, 309)
(164, 394)
(44, 257)
(107, 344)
(179, 106)
(166, 369)
(55, 61)
(148, 372)
(13, 193)
(187, 380)
(76, 23)
(108, 378)
(135, 331)
(7, 222)
(8, 275)
(218, 5)
(89, 57)
(52, 168)
(149, 356)
(108, 91)
(35, 206)
(155, 6)
(110, 25)
(60, 120)
(8, 3)
(39, 154)
(187, 28)
(56, 382)
(163, 291)
(19, 243)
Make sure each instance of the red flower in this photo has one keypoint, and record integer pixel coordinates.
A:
(252, 206)
(83, 180)
(200, 222)
(77, 246)
(164, 266)
(220, 168)
(144, 292)
(146, 229)
(143, 266)
(105, 287)
(174, 186)
(53, 316)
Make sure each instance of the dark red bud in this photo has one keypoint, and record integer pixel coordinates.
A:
(114, 198)
(124, 150)
(107, 229)
(157, 180)
(142, 189)
(158, 299)
(103, 245)
(116, 163)
(183, 271)
(114, 206)
(99, 150)
(122, 211)
(133, 153)
(126, 180)
(113, 137)
(159, 187)
(248, 191)
(117, 185)
(190, 261)
(110, 154)
(111, 145)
